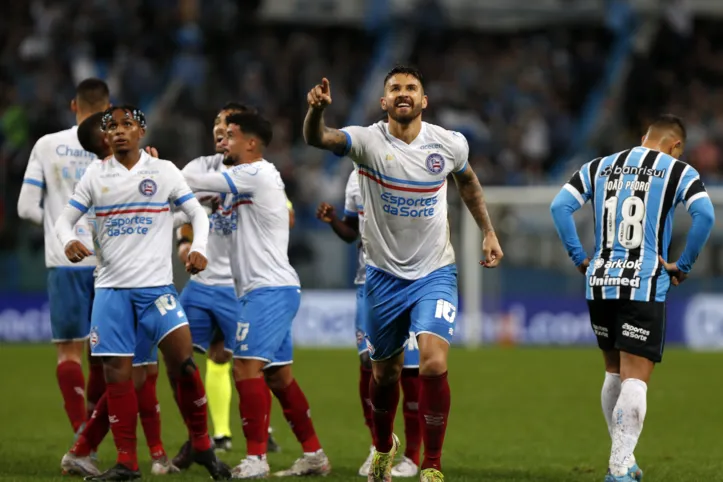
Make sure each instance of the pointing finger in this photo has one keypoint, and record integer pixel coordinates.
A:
(325, 86)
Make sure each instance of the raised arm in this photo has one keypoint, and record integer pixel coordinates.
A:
(316, 133)
(471, 193)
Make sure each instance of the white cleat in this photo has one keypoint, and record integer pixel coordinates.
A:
(308, 464)
(163, 466)
(82, 466)
(381, 469)
(405, 468)
(252, 467)
(364, 469)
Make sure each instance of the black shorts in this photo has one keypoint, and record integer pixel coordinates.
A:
(635, 327)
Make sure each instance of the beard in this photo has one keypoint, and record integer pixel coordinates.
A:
(229, 160)
(407, 117)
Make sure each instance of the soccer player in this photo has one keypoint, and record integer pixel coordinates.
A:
(130, 195)
(209, 299)
(633, 194)
(349, 228)
(269, 296)
(57, 162)
(78, 460)
(411, 283)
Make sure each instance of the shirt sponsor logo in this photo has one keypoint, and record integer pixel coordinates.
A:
(414, 207)
(64, 150)
(126, 226)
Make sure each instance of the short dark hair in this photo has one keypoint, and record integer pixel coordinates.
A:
(406, 70)
(670, 121)
(252, 123)
(134, 111)
(90, 135)
(238, 107)
(92, 93)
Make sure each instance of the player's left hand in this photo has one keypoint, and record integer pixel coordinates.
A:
(151, 151)
(676, 275)
(491, 251)
(582, 267)
(196, 262)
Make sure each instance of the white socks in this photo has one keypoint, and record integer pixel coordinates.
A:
(609, 397)
(627, 423)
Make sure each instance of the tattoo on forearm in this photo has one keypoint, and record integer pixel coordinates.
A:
(471, 192)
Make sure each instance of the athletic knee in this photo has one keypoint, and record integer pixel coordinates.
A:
(278, 378)
(365, 361)
(70, 352)
(117, 369)
(244, 369)
(386, 373)
(433, 364)
(187, 368)
(612, 361)
(220, 357)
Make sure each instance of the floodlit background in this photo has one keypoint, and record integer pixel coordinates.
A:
(538, 87)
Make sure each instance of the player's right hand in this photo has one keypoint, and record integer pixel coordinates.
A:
(76, 251)
(320, 96)
(151, 151)
(582, 267)
(196, 262)
(676, 275)
(326, 212)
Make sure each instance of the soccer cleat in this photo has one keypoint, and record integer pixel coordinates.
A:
(431, 475)
(252, 467)
(163, 466)
(308, 464)
(364, 469)
(271, 445)
(634, 475)
(83, 466)
(208, 459)
(381, 468)
(222, 443)
(405, 468)
(184, 458)
(118, 472)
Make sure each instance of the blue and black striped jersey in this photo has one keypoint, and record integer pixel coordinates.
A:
(633, 194)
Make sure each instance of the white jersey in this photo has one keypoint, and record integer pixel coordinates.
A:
(222, 223)
(259, 254)
(57, 163)
(404, 192)
(133, 226)
(353, 206)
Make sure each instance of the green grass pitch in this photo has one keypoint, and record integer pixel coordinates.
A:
(517, 415)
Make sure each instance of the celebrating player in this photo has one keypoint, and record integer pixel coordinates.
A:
(411, 283)
(78, 460)
(270, 296)
(57, 162)
(349, 228)
(634, 194)
(209, 299)
(130, 194)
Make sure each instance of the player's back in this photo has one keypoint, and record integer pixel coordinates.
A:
(260, 258)
(133, 224)
(634, 194)
(57, 163)
(405, 196)
(223, 223)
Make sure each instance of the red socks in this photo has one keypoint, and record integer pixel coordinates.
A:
(296, 410)
(72, 386)
(96, 387)
(384, 408)
(410, 409)
(95, 430)
(194, 407)
(150, 414)
(365, 376)
(255, 407)
(123, 417)
(434, 403)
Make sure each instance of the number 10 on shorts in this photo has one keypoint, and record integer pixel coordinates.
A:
(445, 310)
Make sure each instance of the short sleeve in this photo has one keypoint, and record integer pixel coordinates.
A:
(579, 184)
(34, 172)
(357, 142)
(82, 198)
(180, 193)
(350, 205)
(690, 188)
(461, 152)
